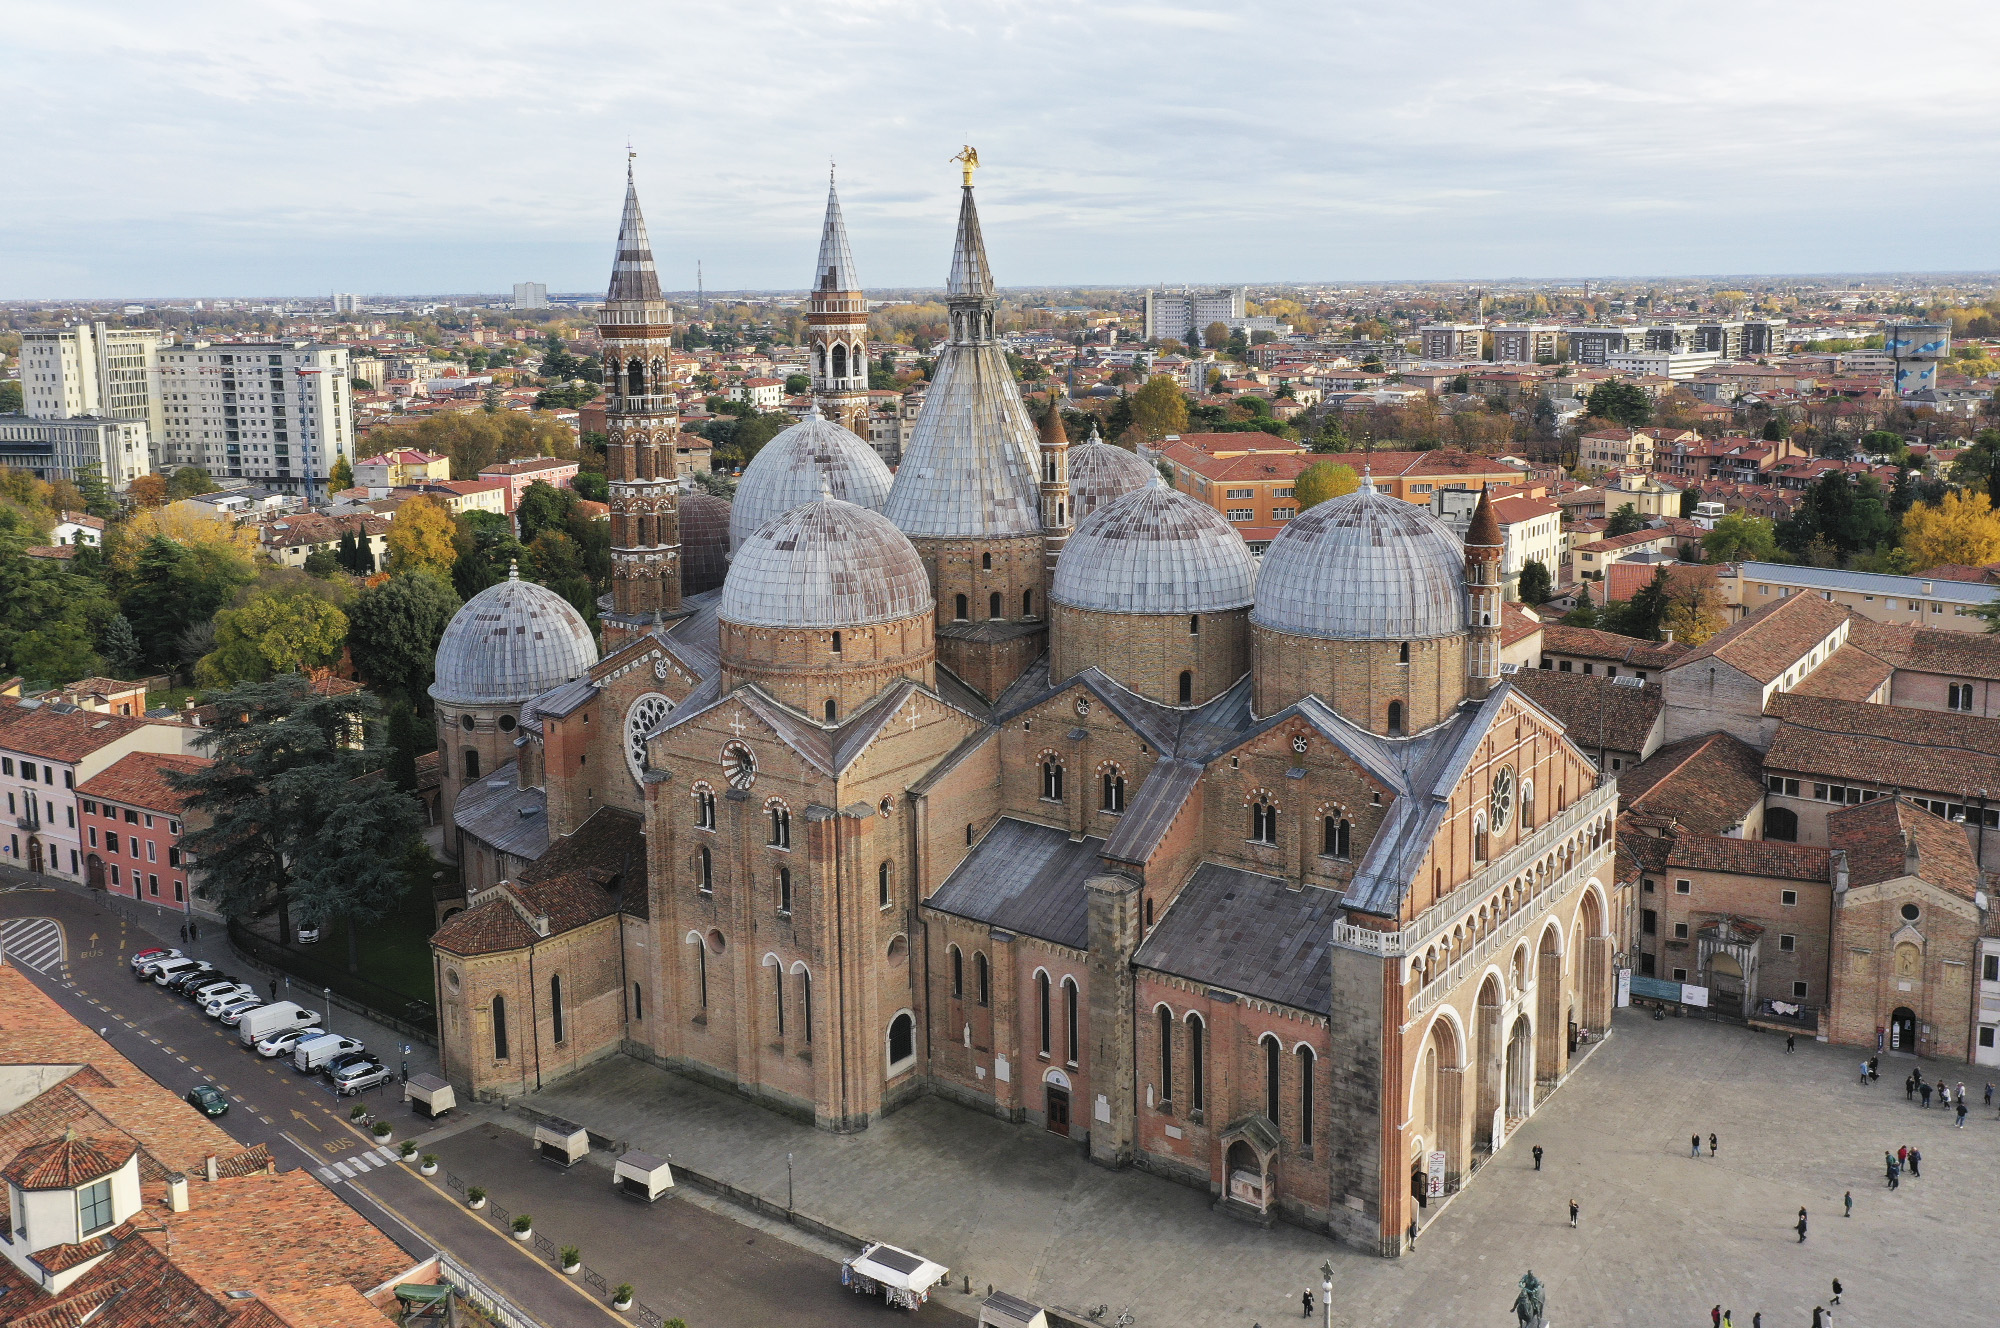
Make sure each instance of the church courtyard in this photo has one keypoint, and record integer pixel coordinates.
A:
(1662, 1237)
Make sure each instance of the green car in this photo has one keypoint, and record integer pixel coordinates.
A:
(209, 1099)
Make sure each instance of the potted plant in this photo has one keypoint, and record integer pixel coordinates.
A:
(524, 1227)
(572, 1260)
(409, 1150)
(475, 1197)
(428, 1164)
(382, 1130)
(621, 1296)
(356, 1112)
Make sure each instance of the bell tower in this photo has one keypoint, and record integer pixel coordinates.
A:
(838, 326)
(1484, 547)
(643, 431)
(1056, 513)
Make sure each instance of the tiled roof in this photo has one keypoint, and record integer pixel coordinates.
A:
(142, 780)
(1933, 650)
(1250, 934)
(1708, 783)
(606, 854)
(1597, 711)
(1772, 639)
(1589, 643)
(1748, 857)
(531, 466)
(65, 1163)
(44, 731)
(1025, 878)
(1517, 623)
(1849, 674)
(1892, 837)
(1895, 746)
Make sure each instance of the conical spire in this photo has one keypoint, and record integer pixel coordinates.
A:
(633, 278)
(1484, 530)
(835, 271)
(1052, 432)
(971, 279)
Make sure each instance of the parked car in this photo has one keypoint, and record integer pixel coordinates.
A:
(162, 974)
(308, 933)
(153, 955)
(233, 1014)
(212, 1006)
(201, 975)
(344, 1059)
(276, 1018)
(309, 1054)
(208, 1099)
(148, 968)
(357, 1076)
(281, 1044)
(207, 985)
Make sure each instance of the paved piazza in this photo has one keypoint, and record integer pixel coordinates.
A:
(1662, 1239)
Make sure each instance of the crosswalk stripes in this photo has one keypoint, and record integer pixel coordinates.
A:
(386, 1154)
(346, 1171)
(326, 1174)
(36, 943)
(361, 1162)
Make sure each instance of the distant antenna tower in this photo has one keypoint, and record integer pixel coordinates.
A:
(700, 295)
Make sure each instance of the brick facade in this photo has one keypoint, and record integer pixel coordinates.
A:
(1149, 652)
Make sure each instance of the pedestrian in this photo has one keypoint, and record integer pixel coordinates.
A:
(1848, 1200)
(1989, 1094)
(1711, 1144)
(194, 931)
(1307, 1313)
(1903, 1154)
(1895, 1175)
(274, 989)
(1910, 1086)
(1413, 1233)
(1944, 1093)
(1874, 1067)
(1802, 1231)
(1819, 1317)
(1926, 1095)
(1757, 1320)
(1694, 1150)
(1725, 1318)
(1961, 1113)
(1790, 1038)
(1836, 1291)
(1715, 1317)
(1917, 1163)
(1864, 1072)
(1573, 1210)
(1538, 1157)
(184, 933)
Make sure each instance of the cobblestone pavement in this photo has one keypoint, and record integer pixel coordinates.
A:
(1662, 1237)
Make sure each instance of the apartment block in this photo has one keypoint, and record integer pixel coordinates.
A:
(62, 449)
(1524, 343)
(1172, 314)
(93, 370)
(276, 412)
(1595, 345)
(531, 295)
(1453, 341)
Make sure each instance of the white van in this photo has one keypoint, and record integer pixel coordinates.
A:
(269, 1019)
(162, 974)
(312, 1053)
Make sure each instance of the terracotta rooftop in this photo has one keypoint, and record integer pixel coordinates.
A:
(1598, 712)
(1892, 837)
(1931, 751)
(1708, 783)
(1849, 674)
(67, 1162)
(1748, 857)
(1589, 643)
(598, 870)
(53, 735)
(1771, 640)
(1929, 649)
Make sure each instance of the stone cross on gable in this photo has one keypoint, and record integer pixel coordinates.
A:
(737, 725)
(912, 715)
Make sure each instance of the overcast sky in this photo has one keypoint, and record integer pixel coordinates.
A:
(294, 148)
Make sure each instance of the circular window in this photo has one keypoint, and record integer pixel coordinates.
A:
(739, 766)
(506, 723)
(1910, 912)
(644, 716)
(451, 978)
(465, 722)
(1502, 801)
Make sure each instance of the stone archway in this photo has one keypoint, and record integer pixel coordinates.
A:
(1597, 979)
(1491, 1063)
(1550, 1045)
(1437, 1107)
(1520, 1071)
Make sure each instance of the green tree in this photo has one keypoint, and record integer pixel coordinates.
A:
(1159, 408)
(11, 401)
(343, 474)
(1740, 537)
(591, 485)
(1536, 586)
(393, 631)
(174, 586)
(1624, 521)
(403, 744)
(97, 499)
(120, 644)
(543, 507)
(797, 383)
(1621, 403)
(1585, 613)
(322, 563)
(486, 552)
(1641, 615)
(57, 653)
(351, 866)
(1323, 480)
(1690, 499)
(1773, 431)
(272, 634)
(1847, 515)
(189, 482)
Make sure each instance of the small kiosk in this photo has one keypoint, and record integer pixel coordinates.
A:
(642, 1176)
(904, 1280)
(562, 1141)
(429, 1095)
(1001, 1310)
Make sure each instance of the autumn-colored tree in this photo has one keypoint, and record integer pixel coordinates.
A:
(342, 476)
(269, 635)
(1158, 408)
(148, 490)
(476, 439)
(1962, 528)
(187, 524)
(1323, 480)
(420, 538)
(1695, 613)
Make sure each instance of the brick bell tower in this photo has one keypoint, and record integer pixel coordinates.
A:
(643, 429)
(1483, 549)
(1056, 515)
(838, 326)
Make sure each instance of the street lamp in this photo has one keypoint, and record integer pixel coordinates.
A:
(327, 1021)
(788, 1183)
(1326, 1290)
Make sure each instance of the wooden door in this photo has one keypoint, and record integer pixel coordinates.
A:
(1058, 1111)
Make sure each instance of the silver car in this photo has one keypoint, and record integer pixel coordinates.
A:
(235, 1009)
(359, 1075)
(213, 1006)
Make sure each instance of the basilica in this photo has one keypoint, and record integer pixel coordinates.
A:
(1013, 777)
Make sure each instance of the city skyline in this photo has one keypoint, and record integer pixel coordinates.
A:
(1123, 147)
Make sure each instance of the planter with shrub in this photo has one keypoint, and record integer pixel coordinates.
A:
(428, 1164)
(524, 1227)
(475, 1197)
(621, 1296)
(572, 1259)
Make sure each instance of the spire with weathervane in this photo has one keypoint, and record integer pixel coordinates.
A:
(838, 325)
(642, 435)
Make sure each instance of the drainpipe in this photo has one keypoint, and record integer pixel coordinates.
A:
(534, 1019)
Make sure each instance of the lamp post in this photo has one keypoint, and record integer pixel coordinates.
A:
(1326, 1290)
(327, 1021)
(788, 1183)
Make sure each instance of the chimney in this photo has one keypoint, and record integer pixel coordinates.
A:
(177, 1191)
(1667, 636)
(211, 1166)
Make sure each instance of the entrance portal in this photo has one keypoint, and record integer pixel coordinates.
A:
(1058, 1110)
(1725, 984)
(1903, 1030)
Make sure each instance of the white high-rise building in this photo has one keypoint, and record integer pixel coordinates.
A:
(1172, 314)
(92, 370)
(531, 295)
(343, 303)
(276, 412)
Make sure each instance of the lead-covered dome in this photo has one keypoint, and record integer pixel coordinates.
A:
(815, 455)
(1363, 566)
(510, 643)
(704, 541)
(1155, 550)
(825, 564)
(1100, 474)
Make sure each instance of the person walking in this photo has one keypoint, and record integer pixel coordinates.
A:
(1538, 1157)
(1725, 1318)
(1715, 1317)
(1694, 1150)
(1819, 1317)
(1802, 1226)
(1790, 1039)
(1895, 1175)
(1864, 1072)
(1989, 1094)
(1836, 1291)
(1961, 1112)
(1711, 1143)
(1573, 1210)
(184, 933)
(274, 989)
(194, 931)
(1910, 1086)
(1307, 1312)
(1925, 1093)
(1848, 1200)
(1903, 1154)
(1917, 1163)
(1874, 1067)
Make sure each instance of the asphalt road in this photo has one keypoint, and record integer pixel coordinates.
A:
(720, 1274)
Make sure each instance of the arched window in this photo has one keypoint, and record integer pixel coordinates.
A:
(805, 1004)
(704, 864)
(499, 1028)
(1114, 790)
(778, 991)
(1527, 804)
(1403, 653)
(882, 885)
(785, 890)
(1187, 686)
(1306, 1061)
(1271, 1062)
(836, 643)
(1263, 822)
(635, 379)
(1166, 1055)
(820, 351)
(1396, 718)
(839, 361)
(1042, 999)
(993, 605)
(1027, 604)
(1479, 844)
(983, 972)
(555, 1007)
(1336, 836)
(985, 562)
(701, 971)
(781, 827)
(638, 1002)
(1070, 1016)
(832, 710)
(958, 608)
(471, 763)
(1052, 780)
(1197, 1067)
(704, 810)
(1149, 912)
(1194, 624)
(957, 973)
(902, 1042)
(1781, 823)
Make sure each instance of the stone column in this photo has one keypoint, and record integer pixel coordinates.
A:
(1551, 1031)
(1599, 982)
(1113, 927)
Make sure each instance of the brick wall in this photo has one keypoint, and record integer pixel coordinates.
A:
(803, 670)
(1360, 678)
(1148, 652)
(1885, 962)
